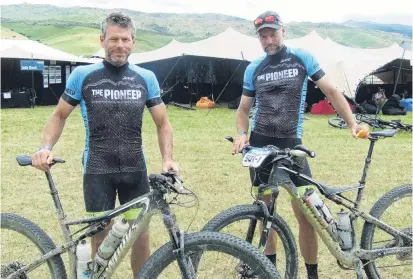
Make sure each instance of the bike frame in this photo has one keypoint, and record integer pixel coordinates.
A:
(349, 257)
(151, 204)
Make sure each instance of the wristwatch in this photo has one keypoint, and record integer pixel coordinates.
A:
(48, 147)
(243, 133)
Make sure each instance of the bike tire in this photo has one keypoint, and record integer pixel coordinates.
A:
(340, 122)
(377, 211)
(210, 241)
(38, 237)
(242, 212)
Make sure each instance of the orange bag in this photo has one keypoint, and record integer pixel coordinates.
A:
(204, 102)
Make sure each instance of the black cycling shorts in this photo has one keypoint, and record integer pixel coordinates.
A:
(100, 190)
(257, 140)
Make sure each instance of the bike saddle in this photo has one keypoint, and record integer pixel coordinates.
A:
(26, 160)
(385, 133)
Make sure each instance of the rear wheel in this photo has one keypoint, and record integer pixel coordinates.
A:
(394, 209)
(22, 243)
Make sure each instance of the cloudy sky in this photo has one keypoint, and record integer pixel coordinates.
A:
(394, 11)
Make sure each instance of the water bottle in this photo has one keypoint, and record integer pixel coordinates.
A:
(344, 230)
(84, 259)
(109, 245)
(313, 200)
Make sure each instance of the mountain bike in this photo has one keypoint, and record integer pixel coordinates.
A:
(383, 124)
(339, 236)
(183, 250)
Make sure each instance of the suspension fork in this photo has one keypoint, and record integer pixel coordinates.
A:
(267, 220)
(177, 239)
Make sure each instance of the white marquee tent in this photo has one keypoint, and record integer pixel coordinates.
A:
(346, 66)
(28, 49)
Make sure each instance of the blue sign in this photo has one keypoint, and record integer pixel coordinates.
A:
(31, 65)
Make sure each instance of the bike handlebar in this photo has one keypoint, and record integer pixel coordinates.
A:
(298, 151)
(166, 182)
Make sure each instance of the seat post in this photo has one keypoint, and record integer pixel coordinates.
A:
(365, 169)
(58, 205)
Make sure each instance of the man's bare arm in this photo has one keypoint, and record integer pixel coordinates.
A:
(337, 100)
(242, 115)
(164, 129)
(55, 124)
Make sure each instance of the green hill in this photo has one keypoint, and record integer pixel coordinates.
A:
(76, 29)
(6, 33)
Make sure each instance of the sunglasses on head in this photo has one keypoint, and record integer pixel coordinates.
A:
(268, 19)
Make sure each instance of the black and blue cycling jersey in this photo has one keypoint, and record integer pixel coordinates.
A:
(279, 84)
(112, 100)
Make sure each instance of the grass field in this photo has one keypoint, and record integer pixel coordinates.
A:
(207, 167)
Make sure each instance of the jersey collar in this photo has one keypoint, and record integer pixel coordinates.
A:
(114, 68)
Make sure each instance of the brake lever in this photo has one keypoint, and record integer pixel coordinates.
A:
(177, 185)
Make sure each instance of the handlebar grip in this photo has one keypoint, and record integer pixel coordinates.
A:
(157, 178)
(160, 178)
(306, 150)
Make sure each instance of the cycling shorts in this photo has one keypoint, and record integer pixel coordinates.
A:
(100, 191)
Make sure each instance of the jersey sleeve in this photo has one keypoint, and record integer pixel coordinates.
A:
(312, 66)
(73, 90)
(248, 88)
(154, 92)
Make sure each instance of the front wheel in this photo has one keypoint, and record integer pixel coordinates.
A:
(237, 221)
(22, 243)
(394, 209)
(202, 247)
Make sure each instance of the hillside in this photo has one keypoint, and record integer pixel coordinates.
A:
(6, 33)
(394, 28)
(76, 29)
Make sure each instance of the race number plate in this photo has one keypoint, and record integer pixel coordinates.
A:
(255, 157)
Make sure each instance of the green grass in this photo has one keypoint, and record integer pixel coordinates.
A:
(207, 167)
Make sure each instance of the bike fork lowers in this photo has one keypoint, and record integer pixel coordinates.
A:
(267, 220)
(177, 238)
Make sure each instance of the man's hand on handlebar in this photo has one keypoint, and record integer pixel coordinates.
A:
(239, 142)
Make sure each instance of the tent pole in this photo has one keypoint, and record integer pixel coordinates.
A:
(398, 73)
(223, 89)
(170, 71)
(187, 81)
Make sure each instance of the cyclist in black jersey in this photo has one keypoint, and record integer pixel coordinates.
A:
(277, 82)
(112, 96)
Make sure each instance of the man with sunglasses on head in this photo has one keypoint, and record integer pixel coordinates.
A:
(112, 95)
(278, 83)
